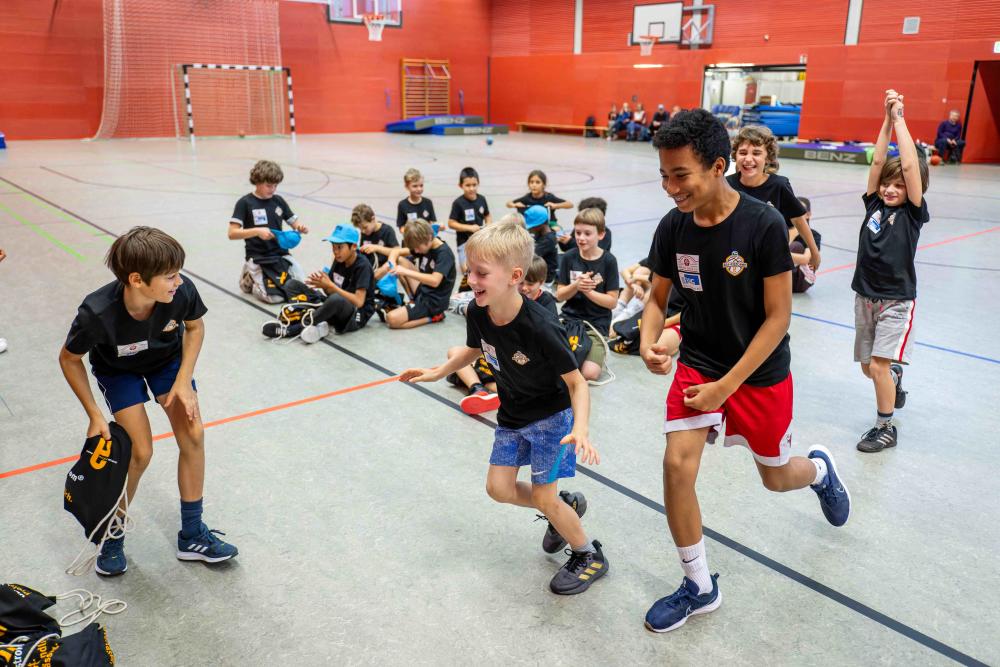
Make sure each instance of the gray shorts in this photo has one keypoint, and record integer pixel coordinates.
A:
(882, 328)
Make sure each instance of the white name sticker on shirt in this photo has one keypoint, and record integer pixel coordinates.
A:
(412, 215)
(259, 216)
(133, 348)
(470, 215)
(691, 281)
(490, 353)
(688, 263)
(875, 222)
(338, 280)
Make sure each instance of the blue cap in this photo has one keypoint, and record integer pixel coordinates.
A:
(436, 228)
(287, 239)
(536, 216)
(344, 234)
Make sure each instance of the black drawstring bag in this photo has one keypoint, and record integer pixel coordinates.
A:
(22, 613)
(96, 482)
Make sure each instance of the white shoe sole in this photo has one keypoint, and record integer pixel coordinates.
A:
(109, 574)
(314, 333)
(702, 610)
(829, 457)
(190, 556)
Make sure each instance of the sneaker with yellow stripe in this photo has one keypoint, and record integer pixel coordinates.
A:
(581, 570)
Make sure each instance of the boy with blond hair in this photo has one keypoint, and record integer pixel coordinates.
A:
(544, 400)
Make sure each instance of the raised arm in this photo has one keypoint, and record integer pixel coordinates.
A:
(881, 145)
(907, 154)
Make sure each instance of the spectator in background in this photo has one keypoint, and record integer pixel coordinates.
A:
(637, 128)
(612, 120)
(949, 142)
(624, 118)
(674, 110)
(659, 118)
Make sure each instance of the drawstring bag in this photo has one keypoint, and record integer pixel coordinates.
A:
(95, 493)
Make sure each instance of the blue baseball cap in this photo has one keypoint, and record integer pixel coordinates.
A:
(344, 234)
(287, 239)
(535, 216)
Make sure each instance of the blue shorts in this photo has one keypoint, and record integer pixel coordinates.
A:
(127, 389)
(538, 444)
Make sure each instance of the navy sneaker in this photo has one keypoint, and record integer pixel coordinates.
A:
(833, 495)
(581, 570)
(552, 541)
(672, 612)
(205, 547)
(111, 561)
(900, 394)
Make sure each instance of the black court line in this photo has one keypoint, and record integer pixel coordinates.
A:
(776, 566)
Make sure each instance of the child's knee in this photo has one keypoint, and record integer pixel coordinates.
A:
(544, 497)
(866, 369)
(396, 318)
(878, 367)
(142, 454)
(590, 370)
(500, 491)
(772, 479)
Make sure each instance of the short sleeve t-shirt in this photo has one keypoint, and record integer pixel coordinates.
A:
(675, 303)
(469, 212)
(119, 344)
(545, 247)
(383, 236)
(603, 244)
(251, 211)
(406, 211)
(548, 302)
(437, 260)
(719, 272)
(529, 355)
(605, 272)
(777, 192)
(887, 245)
(358, 275)
(546, 197)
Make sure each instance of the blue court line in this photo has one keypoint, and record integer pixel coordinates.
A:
(776, 566)
(939, 348)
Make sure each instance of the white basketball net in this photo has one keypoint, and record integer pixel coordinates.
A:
(374, 23)
(646, 44)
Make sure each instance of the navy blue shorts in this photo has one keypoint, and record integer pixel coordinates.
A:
(127, 389)
(538, 444)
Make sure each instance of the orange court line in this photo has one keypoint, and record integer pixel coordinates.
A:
(218, 422)
(922, 247)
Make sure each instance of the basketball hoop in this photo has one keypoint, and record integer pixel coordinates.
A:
(374, 23)
(646, 44)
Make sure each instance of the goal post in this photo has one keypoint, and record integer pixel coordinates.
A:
(230, 100)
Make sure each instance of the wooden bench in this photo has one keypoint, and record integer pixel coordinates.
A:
(554, 127)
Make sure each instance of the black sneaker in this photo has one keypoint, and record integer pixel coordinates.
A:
(877, 439)
(580, 571)
(552, 540)
(276, 329)
(900, 394)
(452, 379)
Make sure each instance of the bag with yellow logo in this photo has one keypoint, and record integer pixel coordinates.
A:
(95, 489)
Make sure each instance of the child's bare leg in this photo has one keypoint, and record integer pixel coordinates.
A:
(670, 340)
(798, 473)
(591, 370)
(885, 388)
(136, 423)
(399, 318)
(190, 437)
(503, 487)
(681, 461)
(468, 376)
(563, 518)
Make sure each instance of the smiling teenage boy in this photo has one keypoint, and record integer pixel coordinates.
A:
(728, 255)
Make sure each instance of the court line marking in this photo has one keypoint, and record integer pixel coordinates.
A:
(217, 422)
(44, 234)
(776, 566)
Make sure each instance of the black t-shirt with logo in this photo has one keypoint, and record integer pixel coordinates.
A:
(384, 236)
(469, 212)
(437, 260)
(719, 271)
(406, 211)
(605, 272)
(529, 356)
(119, 344)
(777, 192)
(545, 247)
(546, 197)
(252, 212)
(358, 275)
(887, 245)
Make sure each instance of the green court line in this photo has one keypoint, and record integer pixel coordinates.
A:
(44, 234)
(62, 214)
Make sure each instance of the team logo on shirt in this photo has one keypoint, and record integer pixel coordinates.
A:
(691, 281)
(133, 348)
(481, 210)
(490, 353)
(892, 218)
(734, 264)
(520, 358)
(426, 213)
(277, 210)
(171, 325)
(688, 263)
(875, 222)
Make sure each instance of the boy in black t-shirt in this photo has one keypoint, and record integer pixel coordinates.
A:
(468, 214)
(414, 205)
(257, 221)
(145, 329)
(588, 283)
(377, 240)
(347, 291)
(428, 273)
(536, 221)
(885, 276)
(544, 401)
(727, 254)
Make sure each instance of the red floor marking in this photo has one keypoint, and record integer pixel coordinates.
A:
(217, 422)
(922, 247)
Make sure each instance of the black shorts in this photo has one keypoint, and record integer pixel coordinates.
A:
(419, 309)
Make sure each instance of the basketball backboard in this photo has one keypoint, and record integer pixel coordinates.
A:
(352, 11)
(662, 20)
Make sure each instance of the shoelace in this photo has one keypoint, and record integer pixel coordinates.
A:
(119, 524)
(209, 537)
(577, 560)
(681, 595)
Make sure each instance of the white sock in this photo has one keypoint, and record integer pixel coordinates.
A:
(820, 470)
(695, 565)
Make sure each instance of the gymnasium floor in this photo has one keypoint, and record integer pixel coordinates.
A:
(358, 504)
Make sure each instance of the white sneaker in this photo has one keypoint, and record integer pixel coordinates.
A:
(3, 344)
(314, 332)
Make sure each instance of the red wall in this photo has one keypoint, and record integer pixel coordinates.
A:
(984, 117)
